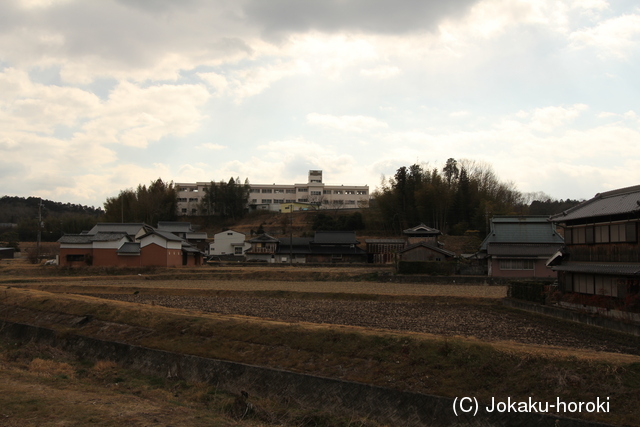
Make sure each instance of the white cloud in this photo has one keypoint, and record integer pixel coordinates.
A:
(617, 37)
(346, 123)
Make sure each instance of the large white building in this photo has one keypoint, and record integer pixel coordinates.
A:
(315, 193)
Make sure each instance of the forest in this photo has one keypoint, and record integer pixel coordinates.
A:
(460, 198)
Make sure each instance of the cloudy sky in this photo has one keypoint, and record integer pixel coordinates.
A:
(99, 96)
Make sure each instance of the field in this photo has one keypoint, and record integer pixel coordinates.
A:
(444, 339)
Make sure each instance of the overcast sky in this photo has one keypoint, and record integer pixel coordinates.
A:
(99, 96)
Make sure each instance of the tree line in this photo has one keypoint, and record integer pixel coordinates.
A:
(461, 196)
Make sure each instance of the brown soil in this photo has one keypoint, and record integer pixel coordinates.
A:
(442, 316)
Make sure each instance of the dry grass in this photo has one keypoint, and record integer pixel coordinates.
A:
(417, 362)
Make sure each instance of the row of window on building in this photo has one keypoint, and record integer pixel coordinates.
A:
(606, 233)
(302, 200)
(306, 190)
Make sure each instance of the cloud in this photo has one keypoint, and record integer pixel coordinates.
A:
(346, 123)
(381, 72)
(617, 37)
(374, 16)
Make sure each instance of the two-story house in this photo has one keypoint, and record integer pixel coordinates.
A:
(602, 252)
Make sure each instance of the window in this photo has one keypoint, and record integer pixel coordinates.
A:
(290, 191)
(182, 199)
(266, 200)
(75, 258)
(266, 190)
(361, 192)
(303, 189)
(193, 199)
(254, 200)
(229, 234)
(278, 200)
(303, 200)
(278, 191)
(349, 202)
(194, 211)
(337, 192)
(290, 201)
(349, 192)
(602, 234)
(516, 264)
(579, 236)
(326, 191)
(316, 193)
(238, 250)
(254, 190)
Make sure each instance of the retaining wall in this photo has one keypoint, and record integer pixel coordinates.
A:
(387, 405)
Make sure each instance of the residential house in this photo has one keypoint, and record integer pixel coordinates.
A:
(424, 252)
(324, 247)
(602, 250)
(383, 251)
(186, 232)
(229, 242)
(127, 245)
(520, 246)
(422, 233)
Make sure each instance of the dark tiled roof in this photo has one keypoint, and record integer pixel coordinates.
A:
(428, 246)
(264, 238)
(130, 228)
(129, 248)
(165, 235)
(75, 239)
(422, 230)
(386, 241)
(522, 229)
(335, 238)
(616, 202)
(518, 249)
(108, 236)
(622, 269)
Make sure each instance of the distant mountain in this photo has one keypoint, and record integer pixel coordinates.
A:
(14, 209)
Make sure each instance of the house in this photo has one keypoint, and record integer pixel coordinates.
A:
(425, 251)
(185, 231)
(127, 245)
(263, 248)
(519, 247)
(422, 233)
(229, 242)
(602, 250)
(383, 251)
(7, 253)
(324, 247)
(335, 246)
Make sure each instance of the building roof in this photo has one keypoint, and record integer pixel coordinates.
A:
(523, 249)
(164, 234)
(129, 248)
(103, 236)
(521, 229)
(421, 230)
(335, 238)
(263, 238)
(428, 246)
(175, 226)
(617, 269)
(616, 202)
(75, 239)
(386, 241)
(128, 227)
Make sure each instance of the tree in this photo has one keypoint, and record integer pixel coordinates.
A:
(158, 202)
(226, 199)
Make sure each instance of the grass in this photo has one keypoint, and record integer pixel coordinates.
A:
(60, 390)
(417, 362)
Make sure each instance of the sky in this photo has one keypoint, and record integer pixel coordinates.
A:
(100, 96)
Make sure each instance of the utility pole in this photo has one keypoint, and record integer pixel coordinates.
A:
(39, 230)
